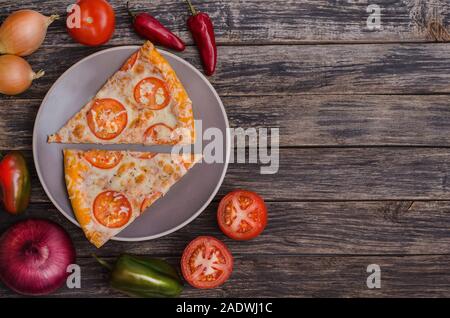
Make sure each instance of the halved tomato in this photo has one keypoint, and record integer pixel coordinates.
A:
(206, 263)
(103, 159)
(107, 118)
(130, 62)
(159, 134)
(149, 200)
(112, 209)
(152, 92)
(242, 215)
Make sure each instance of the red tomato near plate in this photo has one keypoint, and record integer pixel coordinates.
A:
(206, 263)
(242, 215)
(92, 22)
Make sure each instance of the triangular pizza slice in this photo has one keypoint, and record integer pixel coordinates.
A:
(142, 103)
(110, 189)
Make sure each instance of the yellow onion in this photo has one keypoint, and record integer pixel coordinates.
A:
(16, 75)
(23, 32)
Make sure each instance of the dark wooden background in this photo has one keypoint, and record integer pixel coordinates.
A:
(364, 118)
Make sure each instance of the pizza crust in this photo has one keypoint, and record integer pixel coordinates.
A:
(75, 169)
(137, 176)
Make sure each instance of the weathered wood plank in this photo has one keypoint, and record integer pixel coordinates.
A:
(350, 174)
(267, 21)
(339, 174)
(300, 235)
(307, 228)
(327, 120)
(257, 276)
(319, 120)
(296, 70)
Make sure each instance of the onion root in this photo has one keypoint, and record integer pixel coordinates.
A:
(38, 74)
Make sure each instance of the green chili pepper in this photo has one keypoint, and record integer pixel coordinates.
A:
(139, 276)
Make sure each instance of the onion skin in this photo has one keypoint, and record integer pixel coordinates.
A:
(23, 32)
(16, 75)
(34, 256)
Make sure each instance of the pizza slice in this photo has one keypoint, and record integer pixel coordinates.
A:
(142, 103)
(110, 189)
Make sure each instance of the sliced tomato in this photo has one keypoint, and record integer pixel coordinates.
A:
(112, 209)
(242, 215)
(107, 118)
(103, 159)
(130, 62)
(159, 134)
(149, 200)
(152, 92)
(206, 263)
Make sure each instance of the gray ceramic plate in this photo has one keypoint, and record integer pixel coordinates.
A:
(187, 199)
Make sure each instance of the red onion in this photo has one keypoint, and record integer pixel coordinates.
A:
(34, 256)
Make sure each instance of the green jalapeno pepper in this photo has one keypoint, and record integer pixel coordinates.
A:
(139, 276)
(15, 183)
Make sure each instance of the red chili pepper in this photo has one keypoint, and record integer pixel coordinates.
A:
(202, 30)
(150, 28)
(15, 183)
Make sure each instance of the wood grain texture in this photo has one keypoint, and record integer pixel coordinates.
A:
(266, 21)
(365, 157)
(296, 228)
(341, 120)
(339, 174)
(296, 70)
(300, 276)
(319, 120)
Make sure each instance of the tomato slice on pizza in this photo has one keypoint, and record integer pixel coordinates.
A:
(112, 209)
(110, 189)
(107, 118)
(142, 103)
(151, 92)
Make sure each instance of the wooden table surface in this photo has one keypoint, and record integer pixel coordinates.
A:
(364, 120)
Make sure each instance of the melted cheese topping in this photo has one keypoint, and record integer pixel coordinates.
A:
(134, 178)
(178, 114)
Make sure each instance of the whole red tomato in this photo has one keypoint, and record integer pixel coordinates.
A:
(91, 22)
